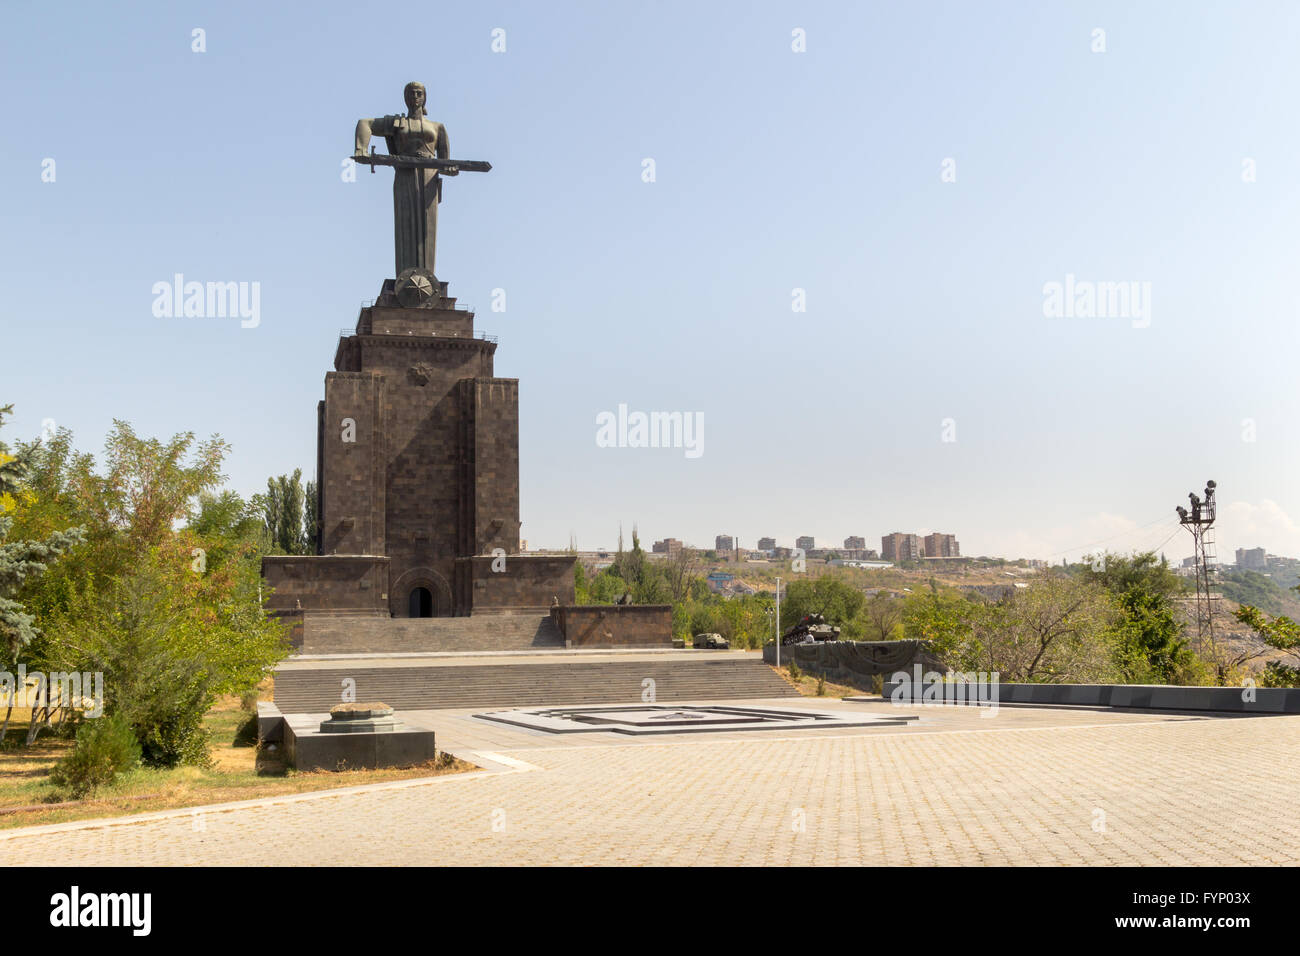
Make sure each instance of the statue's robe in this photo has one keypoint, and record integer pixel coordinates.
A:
(416, 192)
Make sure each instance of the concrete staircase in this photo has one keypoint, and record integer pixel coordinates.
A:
(385, 635)
(513, 683)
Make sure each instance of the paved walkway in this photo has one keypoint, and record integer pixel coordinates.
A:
(1029, 786)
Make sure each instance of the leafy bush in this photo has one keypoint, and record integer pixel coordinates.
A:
(177, 736)
(105, 747)
(1277, 674)
(172, 616)
(246, 733)
(795, 673)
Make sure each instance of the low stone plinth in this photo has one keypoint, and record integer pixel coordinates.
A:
(374, 718)
(270, 723)
(368, 737)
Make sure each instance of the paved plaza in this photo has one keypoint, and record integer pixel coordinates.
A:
(1027, 786)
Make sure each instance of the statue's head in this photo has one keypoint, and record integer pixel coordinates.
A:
(415, 97)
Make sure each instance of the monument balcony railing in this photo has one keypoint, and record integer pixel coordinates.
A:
(481, 336)
(463, 306)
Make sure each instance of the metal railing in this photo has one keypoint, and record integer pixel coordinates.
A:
(481, 336)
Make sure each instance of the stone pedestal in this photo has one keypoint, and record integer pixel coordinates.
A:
(360, 719)
(417, 476)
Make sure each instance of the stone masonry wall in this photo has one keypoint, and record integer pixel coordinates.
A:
(527, 581)
(596, 625)
(326, 582)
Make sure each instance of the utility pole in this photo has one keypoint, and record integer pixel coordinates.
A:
(1200, 522)
(778, 622)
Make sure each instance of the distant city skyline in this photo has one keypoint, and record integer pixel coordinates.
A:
(1254, 557)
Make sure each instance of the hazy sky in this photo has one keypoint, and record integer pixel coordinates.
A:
(775, 170)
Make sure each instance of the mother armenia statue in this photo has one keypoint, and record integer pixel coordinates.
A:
(420, 155)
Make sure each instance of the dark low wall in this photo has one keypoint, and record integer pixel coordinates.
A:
(615, 625)
(525, 581)
(326, 582)
(855, 662)
(1268, 700)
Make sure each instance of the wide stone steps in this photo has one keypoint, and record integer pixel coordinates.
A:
(489, 632)
(529, 684)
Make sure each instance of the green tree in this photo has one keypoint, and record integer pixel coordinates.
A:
(644, 579)
(944, 618)
(883, 617)
(311, 530)
(1257, 590)
(289, 514)
(164, 595)
(839, 602)
(581, 584)
(1057, 630)
(604, 588)
(1280, 632)
(1149, 645)
(21, 560)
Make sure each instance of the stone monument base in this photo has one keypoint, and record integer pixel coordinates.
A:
(307, 746)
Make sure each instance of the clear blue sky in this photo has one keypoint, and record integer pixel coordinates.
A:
(775, 170)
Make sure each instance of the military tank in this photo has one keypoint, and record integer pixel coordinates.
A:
(811, 628)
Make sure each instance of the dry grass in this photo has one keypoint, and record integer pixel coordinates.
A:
(807, 685)
(239, 771)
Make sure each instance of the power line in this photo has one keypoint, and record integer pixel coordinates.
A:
(1122, 534)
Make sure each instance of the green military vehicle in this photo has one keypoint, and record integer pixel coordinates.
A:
(713, 642)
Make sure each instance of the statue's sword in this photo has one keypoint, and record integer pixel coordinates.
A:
(422, 162)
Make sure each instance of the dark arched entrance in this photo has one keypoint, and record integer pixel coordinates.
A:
(421, 603)
(404, 594)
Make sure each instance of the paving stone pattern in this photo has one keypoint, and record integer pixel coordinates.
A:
(1028, 786)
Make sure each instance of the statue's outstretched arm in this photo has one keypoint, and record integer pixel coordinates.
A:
(363, 137)
(383, 126)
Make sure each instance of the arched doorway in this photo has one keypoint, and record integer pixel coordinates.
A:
(421, 603)
(412, 588)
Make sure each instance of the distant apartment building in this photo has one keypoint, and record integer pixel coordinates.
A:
(942, 546)
(724, 542)
(1254, 559)
(767, 544)
(900, 547)
(669, 546)
(806, 542)
(855, 543)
